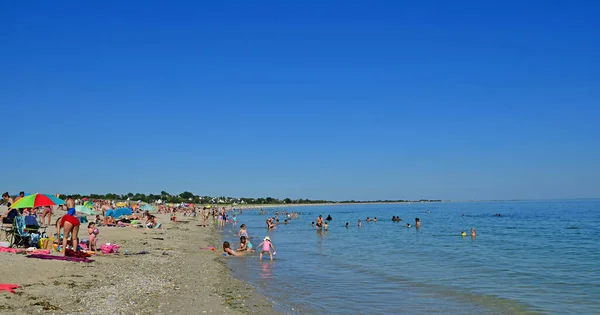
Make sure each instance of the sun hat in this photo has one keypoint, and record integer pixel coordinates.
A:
(267, 238)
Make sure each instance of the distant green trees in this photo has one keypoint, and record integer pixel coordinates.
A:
(189, 197)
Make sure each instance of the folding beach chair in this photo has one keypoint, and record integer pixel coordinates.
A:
(26, 232)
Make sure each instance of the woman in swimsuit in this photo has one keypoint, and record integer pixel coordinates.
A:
(228, 251)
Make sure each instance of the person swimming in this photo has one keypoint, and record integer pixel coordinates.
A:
(329, 218)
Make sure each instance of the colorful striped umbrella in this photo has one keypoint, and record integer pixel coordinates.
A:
(89, 204)
(37, 200)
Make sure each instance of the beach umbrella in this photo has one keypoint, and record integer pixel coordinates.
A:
(89, 204)
(84, 209)
(121, 212)
(147, 208)
(37, 200)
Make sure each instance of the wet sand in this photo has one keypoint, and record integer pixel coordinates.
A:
(174, 277)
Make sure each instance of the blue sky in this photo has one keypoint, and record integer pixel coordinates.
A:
(310, 99)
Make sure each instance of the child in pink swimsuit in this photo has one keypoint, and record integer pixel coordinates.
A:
(266, 247)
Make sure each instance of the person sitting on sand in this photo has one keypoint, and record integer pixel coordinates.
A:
(10, 214)
(173, 218)
(110, 221)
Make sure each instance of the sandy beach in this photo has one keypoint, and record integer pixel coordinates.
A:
(175, 276)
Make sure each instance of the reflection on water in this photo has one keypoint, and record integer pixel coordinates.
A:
(267, 269)
(537, 257)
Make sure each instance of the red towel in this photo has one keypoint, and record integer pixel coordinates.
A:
(8, 287)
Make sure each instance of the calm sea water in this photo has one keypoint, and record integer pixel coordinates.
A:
(537, 258)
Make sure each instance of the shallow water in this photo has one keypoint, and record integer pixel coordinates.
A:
(537, 257)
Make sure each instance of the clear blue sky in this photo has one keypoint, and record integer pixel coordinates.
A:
(306, 99)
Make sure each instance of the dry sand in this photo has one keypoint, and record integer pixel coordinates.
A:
(174, 277)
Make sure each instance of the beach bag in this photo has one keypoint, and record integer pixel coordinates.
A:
(109, 248)
(43, 243)
(50, 243)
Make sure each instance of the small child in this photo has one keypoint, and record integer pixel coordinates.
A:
(359, 223)
(93, 232)
(313, 224)
(325, 225)
(233, 220)
(245, 245)
(266, 247)
(243, 231)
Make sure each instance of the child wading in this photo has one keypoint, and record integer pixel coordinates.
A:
(266, 247)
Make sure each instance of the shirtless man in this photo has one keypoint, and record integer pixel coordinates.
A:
(320, 222)
(105, 207)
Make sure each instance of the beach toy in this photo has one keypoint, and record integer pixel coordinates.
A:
(224, 255)
(274, 253)
(96, 231)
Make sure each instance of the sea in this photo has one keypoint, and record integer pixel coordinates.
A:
(536, 257)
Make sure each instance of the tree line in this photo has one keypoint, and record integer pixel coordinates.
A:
(188, 197)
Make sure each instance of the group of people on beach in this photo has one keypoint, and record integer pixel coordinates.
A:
(266, 246)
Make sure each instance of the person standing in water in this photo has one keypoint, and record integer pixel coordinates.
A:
(319, 222)
(473, 233)
(417, 223)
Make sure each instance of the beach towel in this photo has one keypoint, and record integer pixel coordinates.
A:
(65, 258)
(8, 287)
(109, 248)
(11, 250)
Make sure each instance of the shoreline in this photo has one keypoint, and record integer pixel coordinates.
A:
(175, 276)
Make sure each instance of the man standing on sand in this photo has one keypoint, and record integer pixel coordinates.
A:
(105, 207)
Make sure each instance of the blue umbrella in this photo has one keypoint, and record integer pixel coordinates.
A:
(122, 211)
